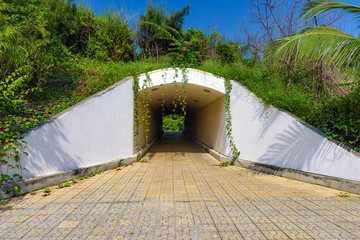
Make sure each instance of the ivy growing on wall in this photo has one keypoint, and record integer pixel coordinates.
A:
(142, 108)
(146, 100)
(180, 98)
(235, 152)
(136, 114)
(10, 160)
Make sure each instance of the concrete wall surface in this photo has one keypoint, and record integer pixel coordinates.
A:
(193, 76)
(208, 125)
(267, 135)
(96, 130)
(155, 127)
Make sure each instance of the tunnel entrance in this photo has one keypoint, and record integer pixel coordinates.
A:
(196, 108)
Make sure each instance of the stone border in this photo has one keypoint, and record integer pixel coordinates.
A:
(32, 184)
(322, 180)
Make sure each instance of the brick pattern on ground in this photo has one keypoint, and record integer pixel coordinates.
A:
(182, 193)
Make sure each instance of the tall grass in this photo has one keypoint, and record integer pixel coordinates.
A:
(338, 117)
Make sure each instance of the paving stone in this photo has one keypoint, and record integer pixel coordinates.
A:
(182, 193)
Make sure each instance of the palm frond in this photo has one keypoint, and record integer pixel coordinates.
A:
(313, 9)
(315, 44)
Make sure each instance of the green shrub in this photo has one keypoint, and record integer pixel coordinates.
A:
(173, 122)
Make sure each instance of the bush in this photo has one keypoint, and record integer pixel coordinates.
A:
(112, 39)
(173, 122)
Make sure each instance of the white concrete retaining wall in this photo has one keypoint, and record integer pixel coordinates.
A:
(94, 131)
(270, 136)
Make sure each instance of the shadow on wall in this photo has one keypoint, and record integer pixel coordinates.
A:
(251, 121)
(297, 147)
(47, 151)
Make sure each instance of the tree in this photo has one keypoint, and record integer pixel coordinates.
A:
(111, 38)
(274, 19)
(150, 39)
(24, 42)
(319, 44)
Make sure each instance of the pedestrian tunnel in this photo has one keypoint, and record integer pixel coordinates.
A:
(101, 131)
(199, 100)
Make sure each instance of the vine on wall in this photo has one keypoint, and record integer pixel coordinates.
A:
(180, 98)
(183, 100)
(235, 152)
(146, 100)
(136, 114)
(141, 105)
(10, 159)
(137, 103)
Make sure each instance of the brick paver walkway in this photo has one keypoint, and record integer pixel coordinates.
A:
(182, 193)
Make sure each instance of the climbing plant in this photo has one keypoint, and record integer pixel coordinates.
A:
(235, 152)
(141, 108)
(180, 97)
(136, 114)
(146, 100)
(10, 156)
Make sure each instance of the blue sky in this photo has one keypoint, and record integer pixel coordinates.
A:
(226, 14)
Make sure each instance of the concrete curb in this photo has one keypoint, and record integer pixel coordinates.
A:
(322, 180)
(32, 184)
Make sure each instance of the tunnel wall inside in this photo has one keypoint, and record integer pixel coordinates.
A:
(208, 125)
(155, 127)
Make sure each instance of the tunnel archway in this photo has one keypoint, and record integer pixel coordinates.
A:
(204, 110)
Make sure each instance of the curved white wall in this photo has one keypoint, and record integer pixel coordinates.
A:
(193, 76)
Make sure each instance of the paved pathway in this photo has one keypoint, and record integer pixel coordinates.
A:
(181, 193)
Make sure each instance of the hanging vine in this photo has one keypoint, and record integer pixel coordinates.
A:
(141, 108)
(146, 100)
(137, 110)
(180, 98)
(183, 96)
(235, 152)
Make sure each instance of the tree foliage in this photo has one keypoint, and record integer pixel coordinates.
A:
(38, 36)
(112, 39)
(150, 38)
(319, 44)
(173, 122)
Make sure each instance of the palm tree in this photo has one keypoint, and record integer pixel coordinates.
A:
(317, 45)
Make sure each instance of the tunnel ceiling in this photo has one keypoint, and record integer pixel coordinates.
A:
(197, 96)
